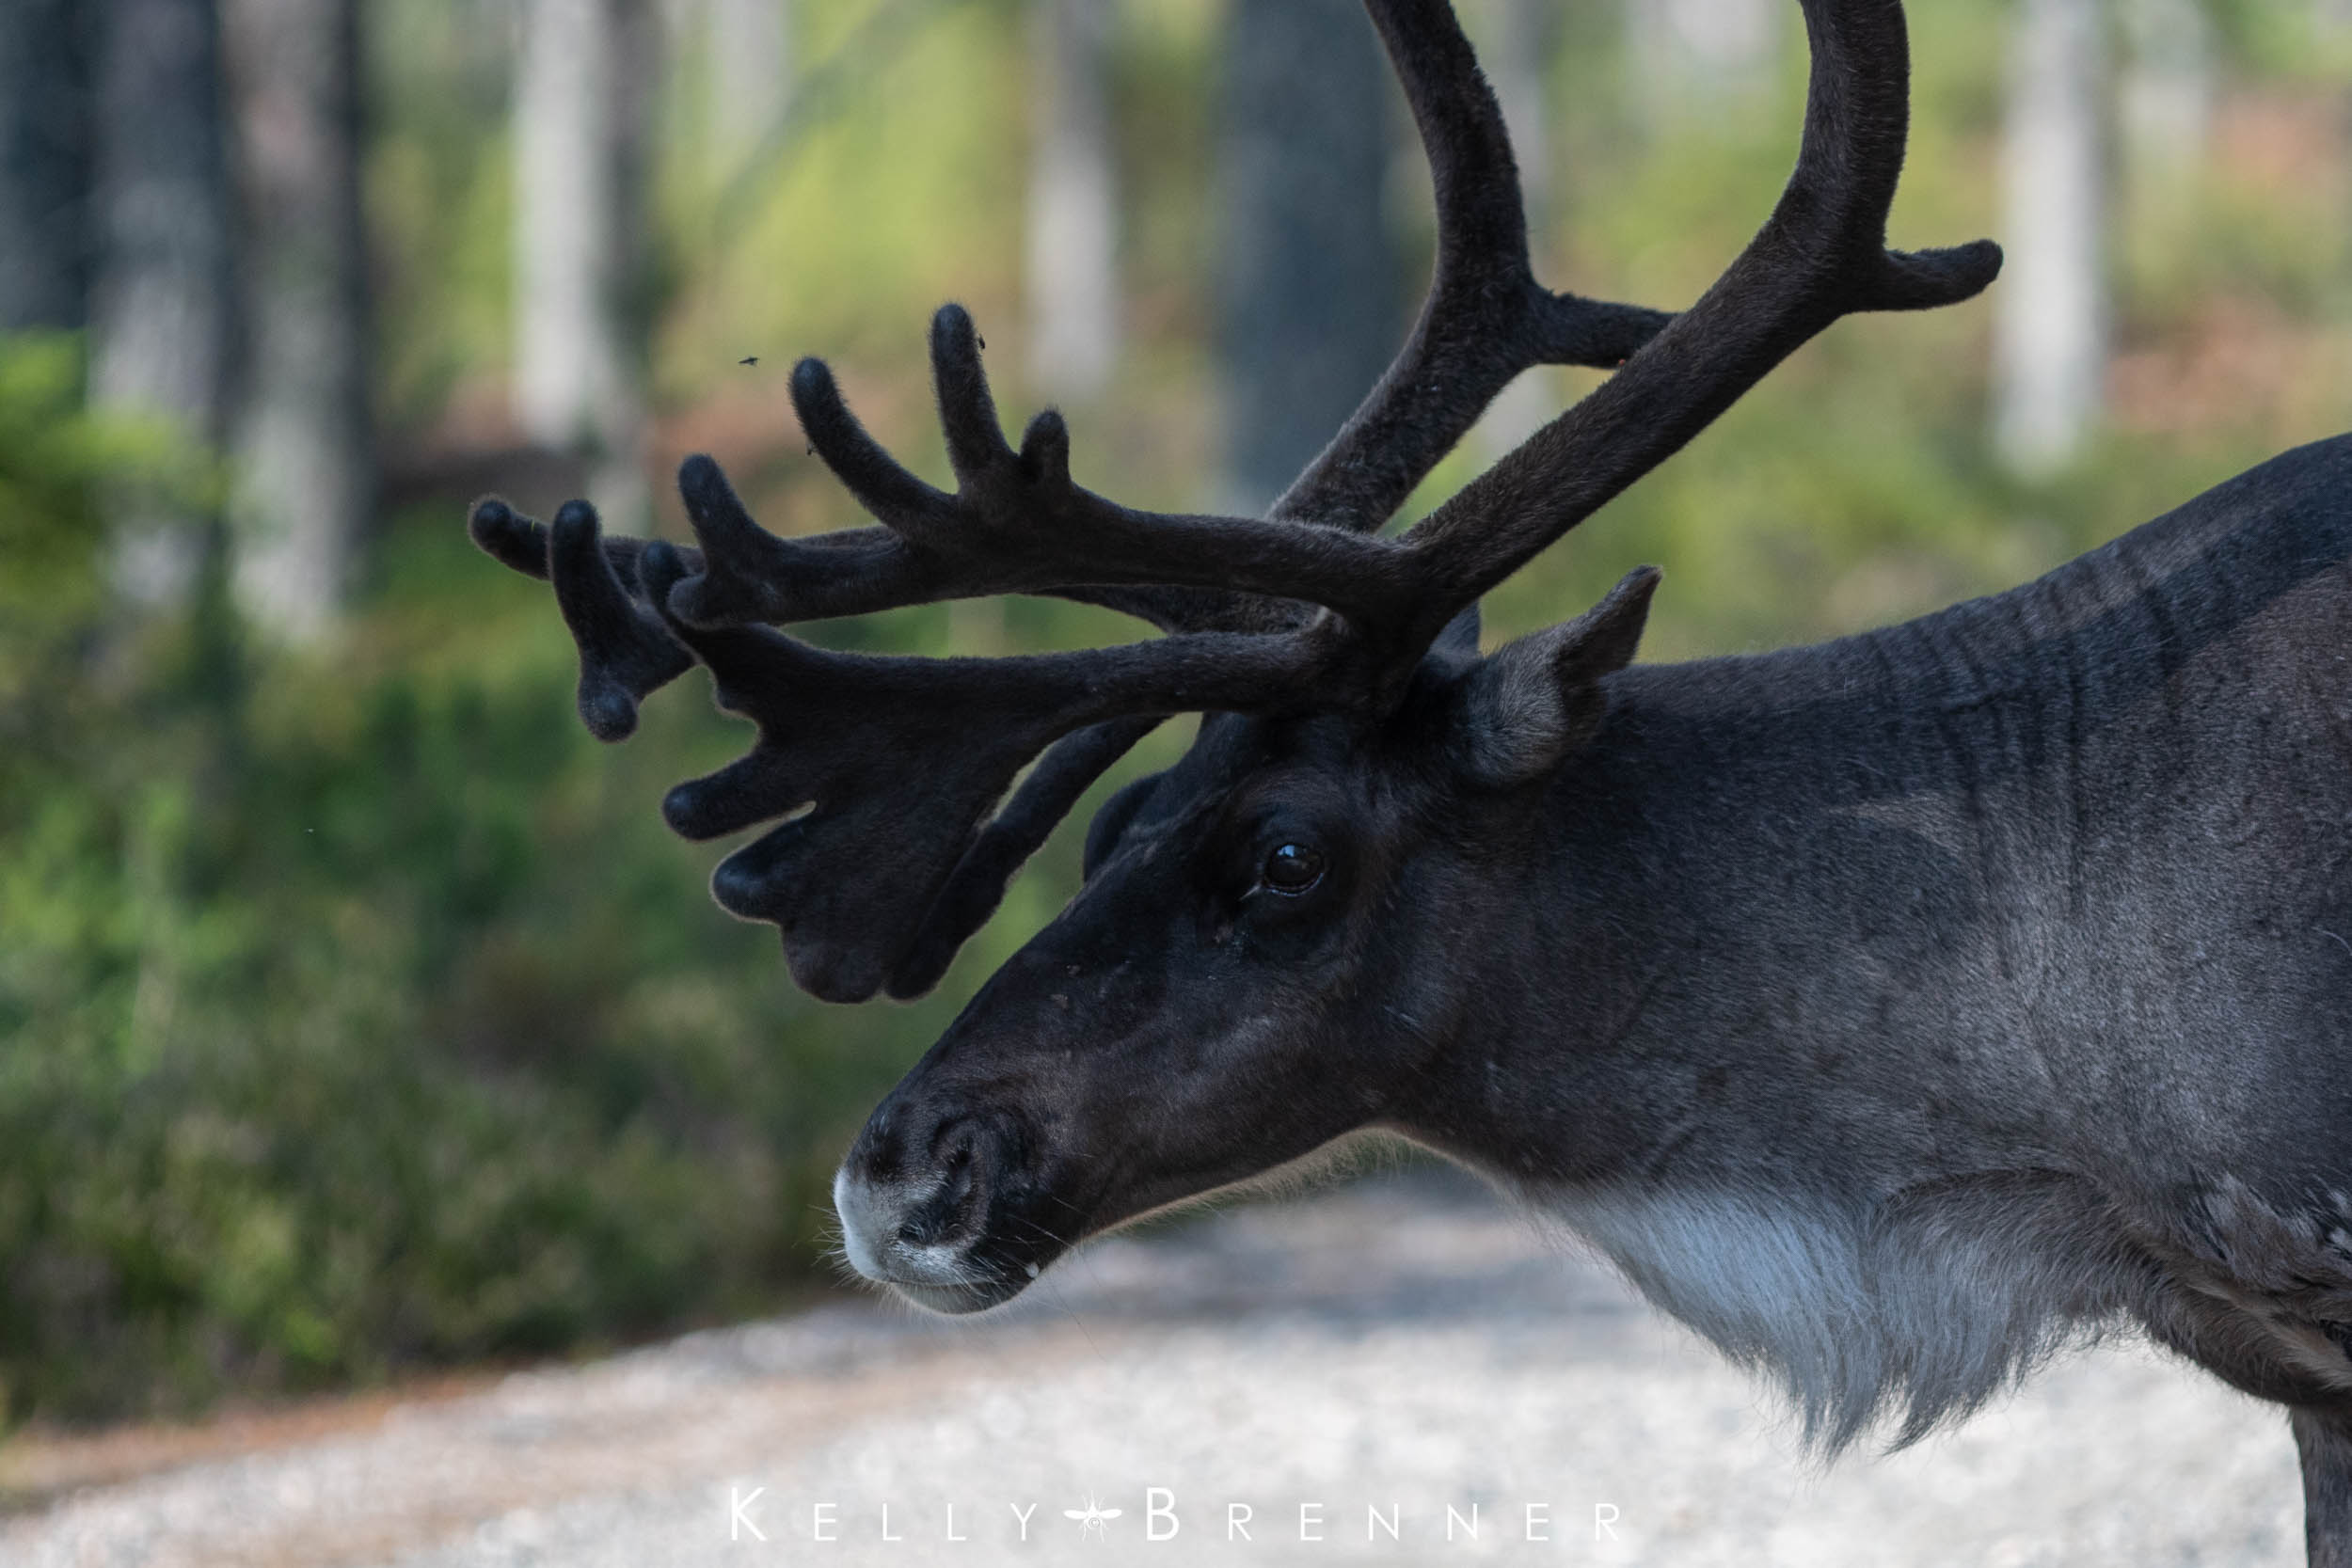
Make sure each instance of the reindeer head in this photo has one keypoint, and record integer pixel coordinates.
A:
(1297, 893)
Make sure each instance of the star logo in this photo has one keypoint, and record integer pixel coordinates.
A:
(1091, 1518)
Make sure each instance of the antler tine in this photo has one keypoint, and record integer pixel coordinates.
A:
(521, 542)
(1484, 320)
(1821, 255)
(1017, 524)
(625, 653)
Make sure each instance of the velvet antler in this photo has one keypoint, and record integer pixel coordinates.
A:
(886, 770)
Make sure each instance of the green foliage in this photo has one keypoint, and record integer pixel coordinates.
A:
(356, 1014)
(357, 1010)
(360, 1012)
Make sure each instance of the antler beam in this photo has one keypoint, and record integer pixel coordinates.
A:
(1484, 320)
(882, 868)
(1821, 255)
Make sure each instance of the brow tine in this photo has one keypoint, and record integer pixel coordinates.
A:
(626, 651)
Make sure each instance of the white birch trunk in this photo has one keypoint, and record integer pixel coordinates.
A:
(750, 74)
(1687, 55)
(2166, 91)
(2050, 326)
(1519, 56)
(1073, 241)
(161, 313)
(303, 492)
(581, 99)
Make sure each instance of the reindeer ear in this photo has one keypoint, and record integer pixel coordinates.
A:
(1518, 714)
(1461, 633)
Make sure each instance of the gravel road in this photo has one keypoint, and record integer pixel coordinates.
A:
(1401, 1352)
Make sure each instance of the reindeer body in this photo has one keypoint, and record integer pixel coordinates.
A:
(1890, 1010)
(1887, 1009)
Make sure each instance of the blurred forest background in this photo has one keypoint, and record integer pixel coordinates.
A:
(356, 1012)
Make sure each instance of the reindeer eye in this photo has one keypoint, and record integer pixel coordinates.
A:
(1292, 870)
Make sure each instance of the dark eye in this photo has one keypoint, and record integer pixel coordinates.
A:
(1291, 870)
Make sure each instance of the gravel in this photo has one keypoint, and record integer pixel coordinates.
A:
(1402, 1345)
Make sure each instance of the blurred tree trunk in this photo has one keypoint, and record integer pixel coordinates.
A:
(44, 163)
(1518, 51)
(2166, 91)
(1518, 47)
(1072, 273)
(750, 59)
(1306, 275)
(304, 487)
(162, 315)
(583, 111)
(1685, 57)
(2051, 310)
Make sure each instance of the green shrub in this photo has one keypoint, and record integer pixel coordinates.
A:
(358, 1012)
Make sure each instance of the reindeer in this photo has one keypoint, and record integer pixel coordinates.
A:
(1891, 1011)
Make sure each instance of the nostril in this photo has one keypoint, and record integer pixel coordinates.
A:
(952, 1140)
(953, 1207)
(878, 1154)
